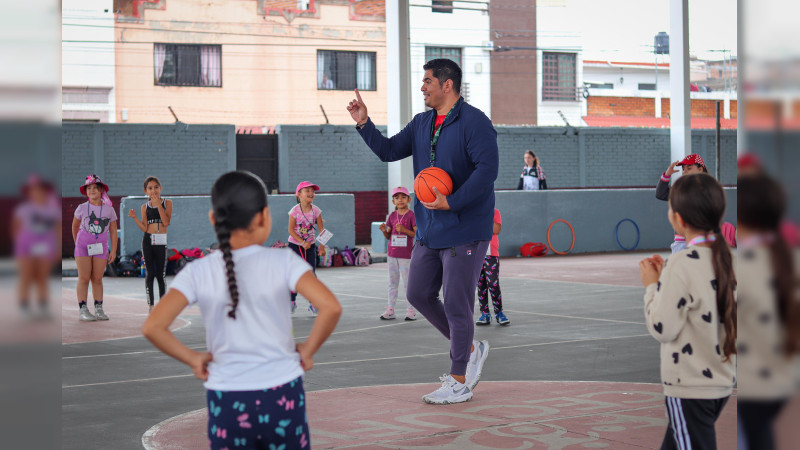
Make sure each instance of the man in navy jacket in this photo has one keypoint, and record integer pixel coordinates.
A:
(453, 232)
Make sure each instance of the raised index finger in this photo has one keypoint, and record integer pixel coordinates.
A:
(358, 96)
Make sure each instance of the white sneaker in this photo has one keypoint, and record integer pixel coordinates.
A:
(451, 392)
(98, 312)
(476, 360)
(85, 315)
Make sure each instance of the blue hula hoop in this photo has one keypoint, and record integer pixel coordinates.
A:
(638, 234)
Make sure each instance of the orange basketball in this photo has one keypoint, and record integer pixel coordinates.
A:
(429, 178)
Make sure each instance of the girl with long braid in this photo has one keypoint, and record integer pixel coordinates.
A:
(253, 371)
(690, 308)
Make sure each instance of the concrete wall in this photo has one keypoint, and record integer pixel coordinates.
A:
(333, 157)
(593, 214)
(336, 158)
(604, 157)
(190, 226)
(187, 158)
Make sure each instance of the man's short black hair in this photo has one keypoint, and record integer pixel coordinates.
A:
(445, 69)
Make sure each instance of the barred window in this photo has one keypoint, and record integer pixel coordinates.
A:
(187, 65)
(558, 77)
(451, 53)
(345, 71)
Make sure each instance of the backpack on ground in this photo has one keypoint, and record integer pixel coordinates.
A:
(348, 256)
(336, 257)
(362, 256)
(530, 249)
(324, 256)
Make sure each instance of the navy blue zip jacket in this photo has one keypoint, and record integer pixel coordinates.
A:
(467, 151)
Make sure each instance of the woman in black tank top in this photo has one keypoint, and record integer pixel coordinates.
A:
(156, 215)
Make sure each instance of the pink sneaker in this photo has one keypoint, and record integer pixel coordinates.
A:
(411, 314)
(388, 314)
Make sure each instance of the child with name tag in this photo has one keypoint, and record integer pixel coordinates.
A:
(400, 229)
(302, 239)
(156, 215)
(93, 225)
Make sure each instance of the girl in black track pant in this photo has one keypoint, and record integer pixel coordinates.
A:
(156, 215)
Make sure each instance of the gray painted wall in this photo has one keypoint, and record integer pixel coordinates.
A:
(336, 158)
(187, 158)
(593, 214)
(333, 157)
(190, 226)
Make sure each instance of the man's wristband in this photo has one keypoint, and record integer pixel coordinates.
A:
(362, 125)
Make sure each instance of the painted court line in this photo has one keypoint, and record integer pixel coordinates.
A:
(491, 348)
(575, 317)
(126, 381)
(126, 353)
(203, 345)
(376, 359)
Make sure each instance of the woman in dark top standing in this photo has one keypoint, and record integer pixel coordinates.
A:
(532, 178)
(156, 215)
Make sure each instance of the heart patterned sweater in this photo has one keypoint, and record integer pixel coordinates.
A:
(681, 313)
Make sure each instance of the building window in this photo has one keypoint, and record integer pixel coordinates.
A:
(558, 77)
(438, 6)
(453, 54)
(647, 86)
(600, 85)
(188, 65)
(345, 71)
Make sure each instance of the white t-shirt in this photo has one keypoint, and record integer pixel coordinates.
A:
(257, 350)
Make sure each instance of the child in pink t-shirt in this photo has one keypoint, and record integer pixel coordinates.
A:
(489, 281)
(400, 228)
(303, 217)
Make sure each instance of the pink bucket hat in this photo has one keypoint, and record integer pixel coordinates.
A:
(400, 190)
(92, 179)
(305, 184)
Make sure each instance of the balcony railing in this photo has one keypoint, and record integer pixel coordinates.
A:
(562, 94)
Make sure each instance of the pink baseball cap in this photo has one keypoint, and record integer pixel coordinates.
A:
(400, 190)
(305, 184)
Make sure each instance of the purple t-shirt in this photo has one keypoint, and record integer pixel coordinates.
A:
(95, 219)
(408, 221)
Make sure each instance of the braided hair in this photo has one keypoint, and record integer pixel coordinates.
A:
(700, 200)
(236, 198)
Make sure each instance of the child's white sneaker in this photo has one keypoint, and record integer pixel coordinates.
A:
(451, 392)
(411, 314)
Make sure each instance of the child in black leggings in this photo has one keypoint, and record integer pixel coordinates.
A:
(302, 239)
(156, 215)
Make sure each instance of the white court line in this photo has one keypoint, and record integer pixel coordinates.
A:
(377, 359)
(126, 381)
(147, 437)
(126, 353)
(186, 325)
(490, 348)
(402, 322)
(203, 345)
(575, 317)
